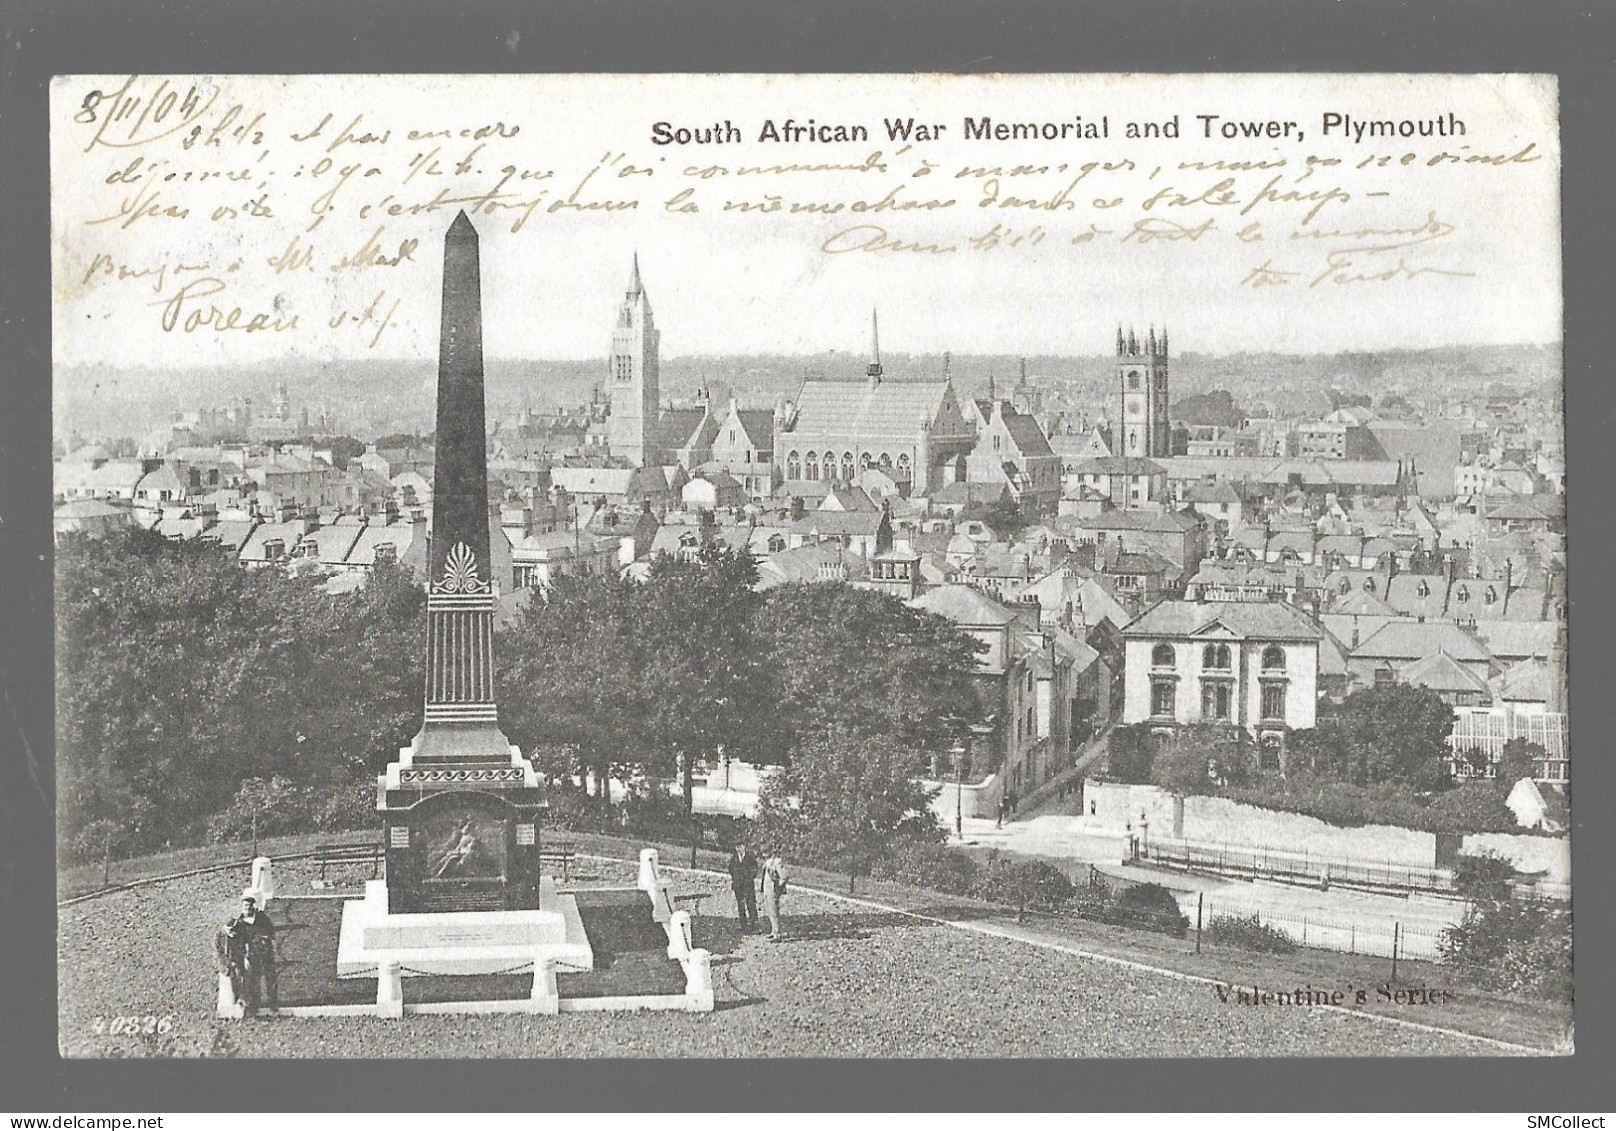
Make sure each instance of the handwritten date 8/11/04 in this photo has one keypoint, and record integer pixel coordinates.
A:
(133, 1024)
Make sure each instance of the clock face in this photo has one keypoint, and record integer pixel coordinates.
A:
(1133, 408)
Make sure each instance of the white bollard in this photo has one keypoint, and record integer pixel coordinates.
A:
(262, 887)
(699, 982)
(648, 869)
(228, 1006)
(389, 990)
(546, 997)
(679, 936)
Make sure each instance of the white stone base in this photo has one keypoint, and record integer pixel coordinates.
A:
(461, 942)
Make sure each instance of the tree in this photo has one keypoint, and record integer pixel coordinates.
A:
(1520, 758)
(708, 688)
(180, 675)
(846, 802)
(864, 663)
(1131, 754)
(1202, 756)
(1393, 733)
(570, 674)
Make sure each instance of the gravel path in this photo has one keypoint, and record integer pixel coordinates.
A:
(849, 982)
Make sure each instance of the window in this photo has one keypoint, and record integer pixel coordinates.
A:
(830, 465)
(794, 465)
(1269, 752)
(1273, 701)
(386, 553)
(1216, 657)
(1133, 379)
(1423, 589)
(274, 550)
(811, 468)
(1462, 593)
(1163, 697)
(864, 461)
(777, 543)
(1032, 723)
(1217, 700)
(847, 465)
(1163, 656)
(1273, 658)
(1491, 596)
(1368, 585)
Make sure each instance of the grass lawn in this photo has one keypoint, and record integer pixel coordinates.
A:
(850, 981)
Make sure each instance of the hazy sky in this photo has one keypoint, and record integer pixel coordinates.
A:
(1478, 261)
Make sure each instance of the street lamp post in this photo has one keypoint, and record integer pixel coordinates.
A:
(959, 791)
(1144, 833)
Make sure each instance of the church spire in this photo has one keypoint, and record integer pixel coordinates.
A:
(873, 370)
(635, 289)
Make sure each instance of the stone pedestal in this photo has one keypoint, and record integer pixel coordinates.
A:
(472, 942)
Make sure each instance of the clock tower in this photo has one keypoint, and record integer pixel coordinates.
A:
(1142, 426)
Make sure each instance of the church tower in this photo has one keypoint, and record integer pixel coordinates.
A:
(1143, 428)
(633, 378)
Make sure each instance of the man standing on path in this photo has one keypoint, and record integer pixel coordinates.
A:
(743, 870)
(259, 973)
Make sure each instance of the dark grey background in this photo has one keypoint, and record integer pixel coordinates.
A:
(42, 37)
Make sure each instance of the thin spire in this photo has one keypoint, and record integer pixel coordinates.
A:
(1119, 339)
(874, 369)
(1164, 340)
(1150, 341)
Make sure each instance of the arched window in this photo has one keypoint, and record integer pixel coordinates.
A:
(1162, 656)
(1215, 657)
(830, 465)
(1368, 585)
(1133, 379)
(1273, 658)
(1346, 585)
(1462, 593)
(1491, 596)
(847, 466)
(886, 461)
(864, 461)
(811, 468)
(1423, 588)
(903, 465)
(793, 465)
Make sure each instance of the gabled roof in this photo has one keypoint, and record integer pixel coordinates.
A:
(399, 535)
(1212, 494)
(1525, 682)
(1412, 640)
(288, 533)
(838, 523)
(1162, 521)
(334, 542)
(964, 606)
(1441, 672)
(1028, 438)
(1253, 620)
(1514, 639)
(858, 408)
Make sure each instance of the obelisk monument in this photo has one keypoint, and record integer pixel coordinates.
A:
(461, 804)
